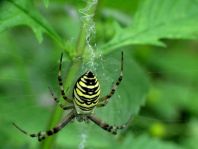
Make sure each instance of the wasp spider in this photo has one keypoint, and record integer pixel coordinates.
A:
(86, 96)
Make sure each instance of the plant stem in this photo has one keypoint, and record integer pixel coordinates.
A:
(57, 114)
(48, 143)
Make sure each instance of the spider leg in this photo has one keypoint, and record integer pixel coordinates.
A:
(105, 126)
(102, 104)
(58, 102)
(61, 81)
(42, 135)
(104, 100)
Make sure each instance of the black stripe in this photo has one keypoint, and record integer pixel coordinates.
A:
(89, 74)
(33, 135)
(82, 102)
(88, 81)
(88, 99)
(55, 130)
(49, 132)
(86, 90)
(88, 87)
(39, 134)
(59, 78)
(86, 108)
(108, 96)
(80, 79)
(94, 100)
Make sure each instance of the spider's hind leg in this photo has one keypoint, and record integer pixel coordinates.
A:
(105, 126)
(42, 135)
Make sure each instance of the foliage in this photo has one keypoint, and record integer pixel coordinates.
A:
(159, 82)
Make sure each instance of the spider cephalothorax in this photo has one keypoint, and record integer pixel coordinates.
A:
(86, 96)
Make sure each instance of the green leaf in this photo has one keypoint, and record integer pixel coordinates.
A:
(177, 68)
(125, 103)
(146, 142)
(130, 94)
(184, 96)
(22, 12)
(176, 64)
(155, 20)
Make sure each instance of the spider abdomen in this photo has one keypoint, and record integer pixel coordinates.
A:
(86, 93)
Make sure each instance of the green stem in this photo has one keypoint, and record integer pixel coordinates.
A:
(57, 114)
(48, 143)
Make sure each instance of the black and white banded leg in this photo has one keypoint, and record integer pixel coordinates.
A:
(42, 135)
(60, 81)
(105, 126)
(104, 100)
(58, 102)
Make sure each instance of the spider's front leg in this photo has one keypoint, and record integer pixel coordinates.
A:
(105, 126)
(104, 100)
(42, 135)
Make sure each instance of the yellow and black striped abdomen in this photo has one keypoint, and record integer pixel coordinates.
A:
(86, 93)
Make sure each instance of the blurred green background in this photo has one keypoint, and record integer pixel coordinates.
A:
(160, 82)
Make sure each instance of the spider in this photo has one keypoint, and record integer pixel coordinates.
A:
(86, 97)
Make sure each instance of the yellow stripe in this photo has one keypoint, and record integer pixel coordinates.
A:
(85, 105)
(78, 86)
(78, 103)
(98, 88)
(78, 98)
(75, 94)
(98, 93)
(93, 86)
(87, 96)
(90, 86)
(82, 84)
(83, 79)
